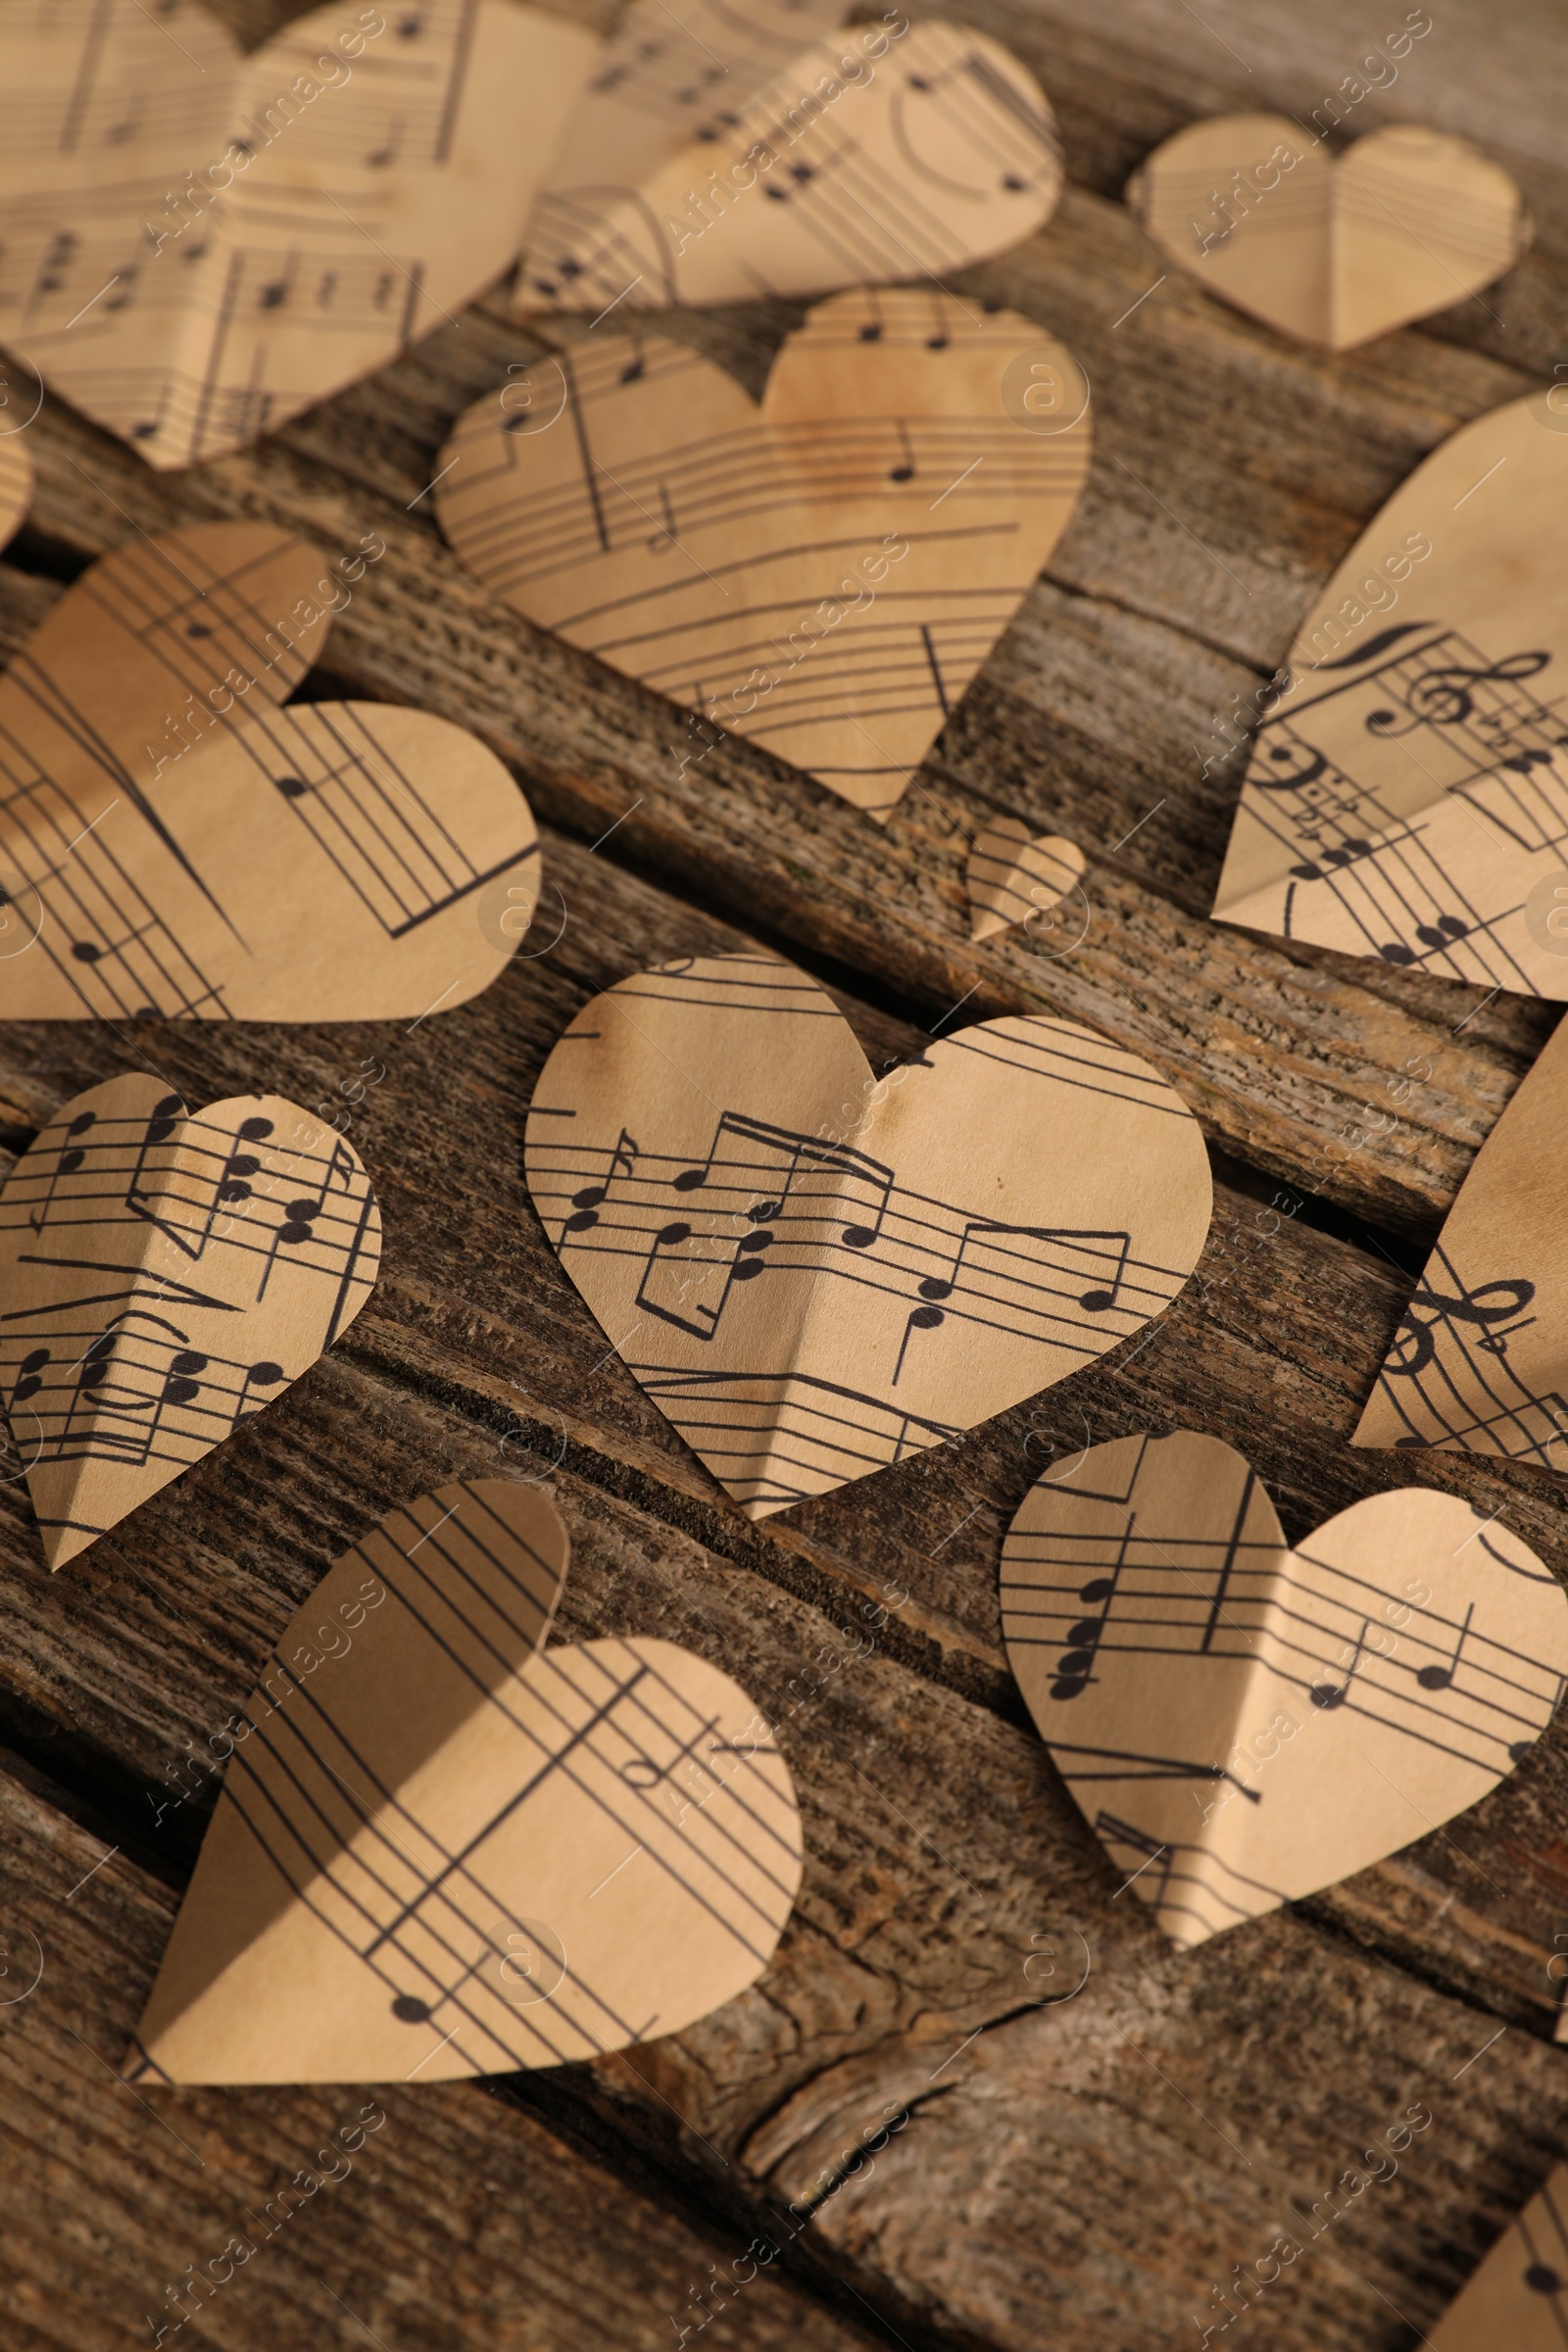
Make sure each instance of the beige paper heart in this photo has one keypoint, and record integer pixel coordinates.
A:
(175, 843)
(196, 246)
(1480, 1361)
(824, 574)
(877, 154)
(165, 1277)
(16, 482)
(1517, 2301)
(815, 1272)
(1015, 876)
(656, 92)
(1243, 1723)
(1334, 251)
(1406, 795)
(442, 1849)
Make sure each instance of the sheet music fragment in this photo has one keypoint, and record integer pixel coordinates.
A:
(443, 1849)
(195, 245)
(879, 153)
(165, 1276)
(173, 843)
(1519, 2296)
(815, 1271)
(1407, 797)
(1480, 1361)
(1331, 248)
(664, 85)
(1243, 1723)
(823, 574)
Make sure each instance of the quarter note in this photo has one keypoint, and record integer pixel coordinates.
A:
(1334, 1695)
(1439, 1678)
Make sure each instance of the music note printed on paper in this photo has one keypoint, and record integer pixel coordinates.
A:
(823, 574)
(165, 1277)
(227, 859)
(1243, 1722)
(443, 1849)
(1407, 797)
(196, 245)
(1480, 1361)
(815, 1272)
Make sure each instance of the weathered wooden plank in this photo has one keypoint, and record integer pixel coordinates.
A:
(1093, 718)
(1047, 2183)
(939, 1839)
(295, 2217)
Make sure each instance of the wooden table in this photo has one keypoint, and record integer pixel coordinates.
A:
(1078, 2171)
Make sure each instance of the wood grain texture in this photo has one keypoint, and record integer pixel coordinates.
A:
(1082, 2171)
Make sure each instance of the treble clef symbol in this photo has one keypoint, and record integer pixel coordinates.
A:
(1414, 1346)
(1445, 698)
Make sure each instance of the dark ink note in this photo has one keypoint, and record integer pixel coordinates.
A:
(1334, 1695)
(1441, 1678)
(1487, 1303)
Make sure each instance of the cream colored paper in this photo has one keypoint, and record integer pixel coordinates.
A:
(165, 1276)
(1518, 2299)
(872, 155)
(172, 841)
(1480, 1361)
(1242, 1723)
(667, 86)
(442, 1849)
(195, 245)
(16, 482)
(824, 575)
(815, 1272)
(1332, 250)
(1407, 792)
(1015, 876)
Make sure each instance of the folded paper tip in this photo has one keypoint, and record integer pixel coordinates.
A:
(63, 1541)
(140, 2066)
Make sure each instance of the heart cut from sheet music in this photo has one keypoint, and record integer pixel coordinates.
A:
(1330, 250)
(1014, 877)
(1242, 1723)
(172, 842)
(823, 574)
(870, 157)
(443, 1849)
(1480, 1361)
(166, 1275)
(815, 1272)
(1407, 797)
(198, 245)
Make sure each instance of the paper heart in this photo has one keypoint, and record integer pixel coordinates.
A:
(165, 1277)
(1015, 876)
(823, 574)
(173, 843)
(1519, 2295)
(442, 1849)
(1331, 250)
(656, 85)
(873, 155)
(1407, 797)
(1243, 1723)
(16, 483)
(1480, 1361)
(815, 1272)
(196, 246)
